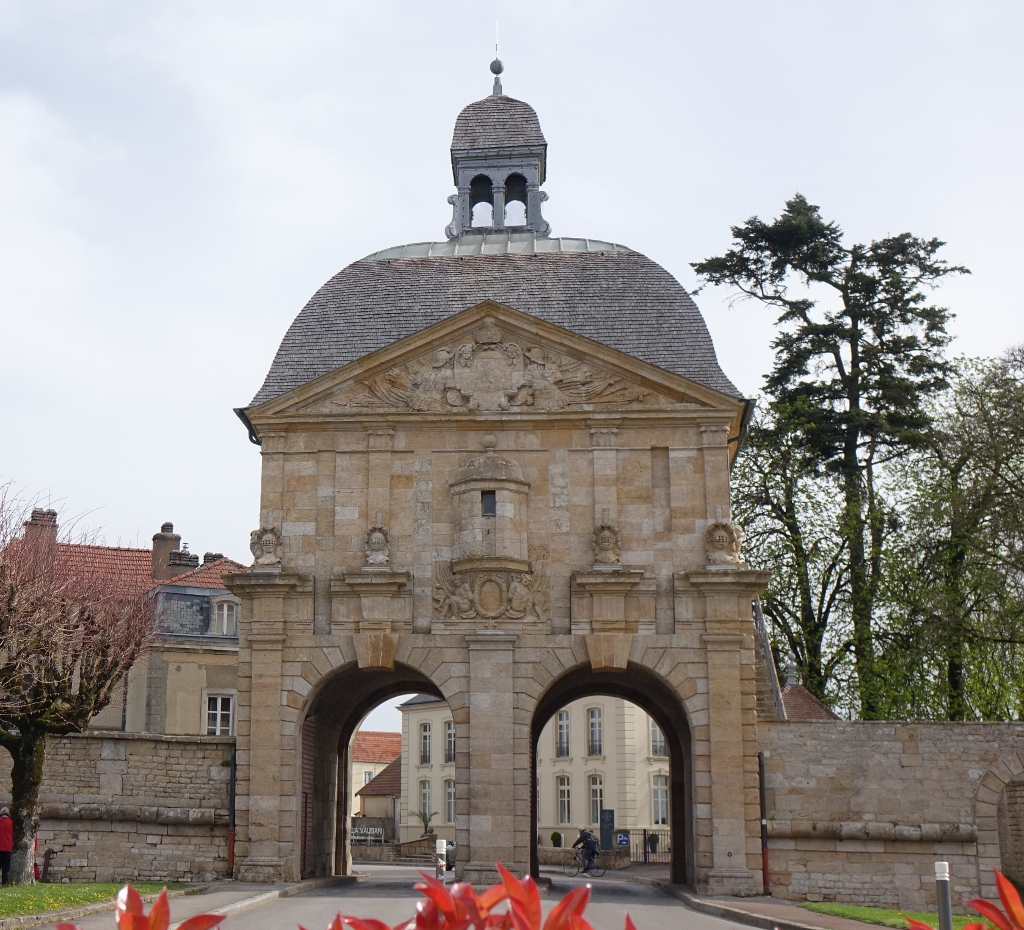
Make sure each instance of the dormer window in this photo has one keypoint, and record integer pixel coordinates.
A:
(488, 503)
(226, 619)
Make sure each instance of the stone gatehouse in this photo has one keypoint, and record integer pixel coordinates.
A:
(496, 470)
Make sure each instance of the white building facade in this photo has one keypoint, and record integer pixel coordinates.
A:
(598, 753)
(601, 753)
(428, 767)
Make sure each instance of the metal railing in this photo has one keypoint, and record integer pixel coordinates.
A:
(769, 659)
(595, 747)
(562, 749)
(648, 846)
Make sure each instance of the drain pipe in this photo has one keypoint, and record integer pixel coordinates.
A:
(231, 818)
(765, 874)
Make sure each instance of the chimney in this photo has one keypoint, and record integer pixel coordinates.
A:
(164, 543)
(182, 561)
(41, 527)
(212, 556)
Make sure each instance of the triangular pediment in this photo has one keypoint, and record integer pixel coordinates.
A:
(493, 359)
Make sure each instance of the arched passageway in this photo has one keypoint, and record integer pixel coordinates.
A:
(650, 692)
(333, 713)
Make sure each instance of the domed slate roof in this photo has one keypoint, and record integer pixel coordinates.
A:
(496, 122)
(599, 290)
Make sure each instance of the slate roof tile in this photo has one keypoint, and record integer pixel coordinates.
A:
(619, 298)
(496, 122)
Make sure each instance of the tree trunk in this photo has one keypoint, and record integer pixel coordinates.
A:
(26, 775)
(861, 600)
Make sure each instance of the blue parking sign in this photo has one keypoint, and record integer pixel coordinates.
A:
(622, 838)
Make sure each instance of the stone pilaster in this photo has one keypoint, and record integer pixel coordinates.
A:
(268, 603)
(492, 809)
(732, 700)
(604, 455)
(714, 440)
(379, 443)
(608, 591)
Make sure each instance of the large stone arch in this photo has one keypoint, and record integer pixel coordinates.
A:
(646, 688)
(1009, 768)
(335, 705)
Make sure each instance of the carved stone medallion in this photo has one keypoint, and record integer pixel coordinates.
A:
(481, 594)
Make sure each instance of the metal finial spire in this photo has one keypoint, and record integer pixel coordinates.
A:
(496, 66)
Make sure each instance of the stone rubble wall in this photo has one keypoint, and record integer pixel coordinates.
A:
(117, 807)
(860, 811)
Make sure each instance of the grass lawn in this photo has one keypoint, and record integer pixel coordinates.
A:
(34, 899)
(883, 916)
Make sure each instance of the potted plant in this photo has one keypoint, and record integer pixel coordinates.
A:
(425, 818)
(652, 841)
(556, 840)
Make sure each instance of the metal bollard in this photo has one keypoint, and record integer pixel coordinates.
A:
(942, 894)
(440, 854)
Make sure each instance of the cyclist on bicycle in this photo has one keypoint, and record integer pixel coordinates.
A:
(590, 844)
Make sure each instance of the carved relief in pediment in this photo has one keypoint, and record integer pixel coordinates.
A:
(491, 372)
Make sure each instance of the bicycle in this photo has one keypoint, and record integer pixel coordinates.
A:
(574, 865)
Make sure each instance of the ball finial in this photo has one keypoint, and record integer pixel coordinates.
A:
(496, 66)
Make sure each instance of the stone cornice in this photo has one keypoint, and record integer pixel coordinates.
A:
(489, 563)
(610, 581)
(725, 581)
(379, 583)
(269, 584)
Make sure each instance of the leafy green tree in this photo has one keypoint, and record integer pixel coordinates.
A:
(955, 581)
(788, 514)
(858, 352)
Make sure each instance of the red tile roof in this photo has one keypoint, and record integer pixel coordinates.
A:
(131, 568)
(208, 575)
(386, 783)
(802, 705)
(376, 746)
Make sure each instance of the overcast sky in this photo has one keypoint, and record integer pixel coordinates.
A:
(176, 180)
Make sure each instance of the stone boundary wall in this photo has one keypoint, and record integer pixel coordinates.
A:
(860, 811)
(119, 806)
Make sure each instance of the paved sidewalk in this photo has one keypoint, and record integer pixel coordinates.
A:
(768, 913)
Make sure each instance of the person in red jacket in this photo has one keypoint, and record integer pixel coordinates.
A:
(6, 844)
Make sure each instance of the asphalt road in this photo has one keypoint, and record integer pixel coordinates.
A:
(389, 897)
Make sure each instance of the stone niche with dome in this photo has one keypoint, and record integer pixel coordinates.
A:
(486, 458)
